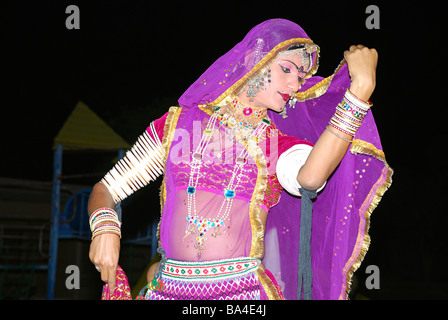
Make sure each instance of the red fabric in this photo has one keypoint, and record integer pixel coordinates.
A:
(159, 125)
(122, 290)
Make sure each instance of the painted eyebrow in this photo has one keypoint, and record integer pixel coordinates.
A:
(295, 66)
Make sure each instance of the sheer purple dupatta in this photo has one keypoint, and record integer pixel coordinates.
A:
(341, 212)
(229, 73)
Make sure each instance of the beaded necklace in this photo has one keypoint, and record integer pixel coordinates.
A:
(239, 120)
(202, 226)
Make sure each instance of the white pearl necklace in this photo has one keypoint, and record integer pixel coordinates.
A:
(202, 225)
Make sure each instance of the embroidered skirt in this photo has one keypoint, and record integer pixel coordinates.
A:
(228, 279)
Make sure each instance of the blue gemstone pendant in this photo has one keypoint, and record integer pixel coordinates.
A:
(229, 193)
(191, 190)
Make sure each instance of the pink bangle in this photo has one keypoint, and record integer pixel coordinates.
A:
(368, 104)
(101, 211)
(340, 129)
(106, 225)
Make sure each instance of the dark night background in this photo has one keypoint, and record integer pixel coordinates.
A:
(131, 60)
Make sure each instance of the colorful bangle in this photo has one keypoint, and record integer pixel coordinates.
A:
(101, 211)
(106, 228)
(357, 101)
(106, 232)
(349, 114)
(334, 133)
(340, 129)
(347, 126)
(357, 113)
(105, 219)
(101, 217)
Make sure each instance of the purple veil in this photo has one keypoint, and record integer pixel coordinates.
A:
(341, 212)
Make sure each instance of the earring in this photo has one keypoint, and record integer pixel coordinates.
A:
(258, 83)
(267, 77)
(292, 102)
(254, 88)
(283, 113)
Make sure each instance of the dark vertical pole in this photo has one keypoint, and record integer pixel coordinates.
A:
(55, 209)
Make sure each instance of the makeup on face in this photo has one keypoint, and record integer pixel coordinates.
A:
(290, 67)
(287, 76)
(285, 96)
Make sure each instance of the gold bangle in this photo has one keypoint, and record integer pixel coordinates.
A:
(340, 125)
(349, 141)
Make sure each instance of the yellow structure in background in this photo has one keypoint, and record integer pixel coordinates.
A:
(84, 129)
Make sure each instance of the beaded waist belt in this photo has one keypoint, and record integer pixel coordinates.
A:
(229, 279)
(208, 270)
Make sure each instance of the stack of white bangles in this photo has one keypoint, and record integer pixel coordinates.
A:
(349, 115)
(142, 164)
(104, 220)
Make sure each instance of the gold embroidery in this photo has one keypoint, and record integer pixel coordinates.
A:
(272, 193)
(168, 130)
(207, 109)
(225, 98)
(363, 147)
(269, 288)
(380, 187)
(257, 245)
(319, 88)
(257, 226)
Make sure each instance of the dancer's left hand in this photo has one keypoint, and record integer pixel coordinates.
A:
(362, 63)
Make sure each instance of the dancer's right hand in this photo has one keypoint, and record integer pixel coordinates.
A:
(104, 253)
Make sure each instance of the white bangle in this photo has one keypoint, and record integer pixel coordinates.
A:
(103, 215)
(356, 101)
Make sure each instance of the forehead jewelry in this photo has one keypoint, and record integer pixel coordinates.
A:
(305, 51)
(304, 55)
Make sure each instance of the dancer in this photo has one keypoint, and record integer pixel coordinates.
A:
(255, 133)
